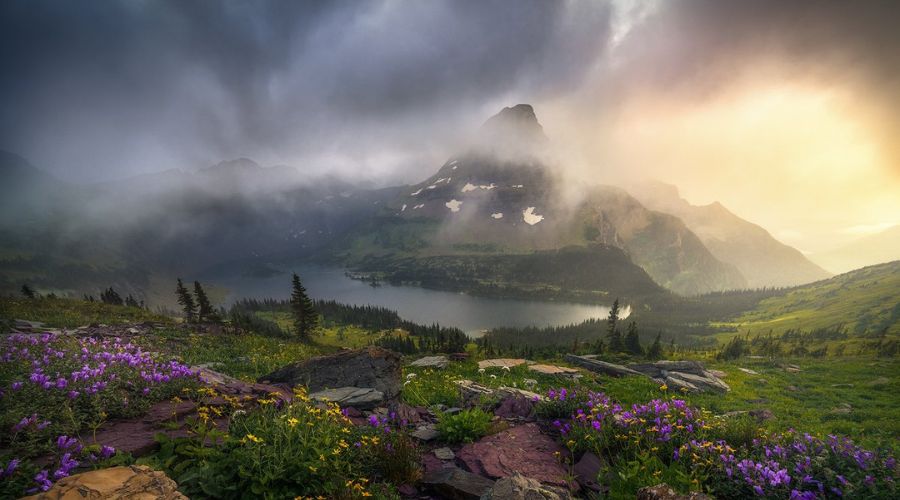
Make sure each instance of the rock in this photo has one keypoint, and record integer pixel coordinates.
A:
(134, 482)
(515, 407)
(664, 492)
(748, 371)
(234, 387)
(522, 449)
(470, 393)
(718, 373)
(459, 356)
(586, 471)
(504, 391)
(760, 415)
(500, 363)
(595, 365)
(456, 484)
(842, 386)
(444, 453)
(553, 370)
(439, 362)
(793, 388)
(407, 490)
(687, 375)
(372, 368)
(362, 398)
(425, 433)
(519, 487)
(696, 383)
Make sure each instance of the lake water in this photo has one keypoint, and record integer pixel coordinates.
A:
(467, 312)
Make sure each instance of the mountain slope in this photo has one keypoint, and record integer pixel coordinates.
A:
(761, 259)
(865, 301)
(500, 197)
(872, 249)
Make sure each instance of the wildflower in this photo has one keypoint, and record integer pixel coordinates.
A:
(664, 388)
(252, 438)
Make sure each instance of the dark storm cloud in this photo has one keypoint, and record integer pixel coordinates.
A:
(102, 89)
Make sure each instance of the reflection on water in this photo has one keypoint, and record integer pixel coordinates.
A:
(469, 313)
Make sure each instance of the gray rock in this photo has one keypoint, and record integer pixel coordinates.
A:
(456, 484)
(444, 453)
(372, 368)
(519, 487)
(362, 398)
(425, 433)
(439, 362)
(749, 371)
(687, 375)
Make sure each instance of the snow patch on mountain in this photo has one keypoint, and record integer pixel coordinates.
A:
(530, 217)
(453, 205)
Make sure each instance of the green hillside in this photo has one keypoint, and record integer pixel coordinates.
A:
(864, 302)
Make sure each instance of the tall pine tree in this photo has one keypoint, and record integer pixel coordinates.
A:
(306, 318)
(655, 351)
(633, 340)
(612, 330)
(186, 301)
(205, 311)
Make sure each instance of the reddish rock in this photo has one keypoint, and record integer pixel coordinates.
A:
(516, 406)
(522, 449)
(431, 463)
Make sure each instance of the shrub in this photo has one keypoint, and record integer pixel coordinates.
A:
(465, 426)
(300, 450)
(560, 403)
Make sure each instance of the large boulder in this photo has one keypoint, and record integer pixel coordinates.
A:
(368, 368)
(457, 484)
(687, 375)
(523, 450)
(134, 482)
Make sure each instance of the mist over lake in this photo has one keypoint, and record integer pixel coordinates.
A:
(469, 313)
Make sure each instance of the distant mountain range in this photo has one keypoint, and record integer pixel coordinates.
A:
(883, 246)
(762, 260)
(497, 218)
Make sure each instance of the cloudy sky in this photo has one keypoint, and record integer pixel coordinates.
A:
(786, 112)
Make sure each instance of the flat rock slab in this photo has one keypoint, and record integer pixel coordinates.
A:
(135, 482)
(522, 449)
(438, 362)
(363, 398)
(425, 433)
(664, 492)
(553, 370)
(372, 367)
(444, 453)
(456, 484)
(749, 371)
(501, 363)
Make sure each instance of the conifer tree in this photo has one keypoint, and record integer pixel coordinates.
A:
(130, 301)
(186, 301)
(306, 318)
(633, 340)
(28, 292)
(110, 296)
(612, 331)
(205, 311)
(655, 351)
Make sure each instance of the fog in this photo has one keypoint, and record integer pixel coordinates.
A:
(784, 111)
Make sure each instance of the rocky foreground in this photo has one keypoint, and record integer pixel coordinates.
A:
(523, 459)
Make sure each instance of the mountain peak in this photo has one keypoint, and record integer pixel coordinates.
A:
(517, 125)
